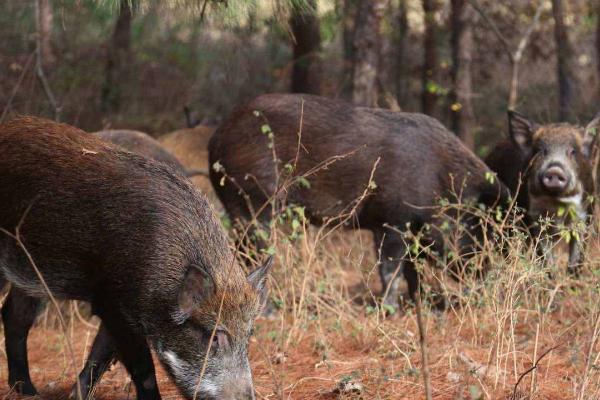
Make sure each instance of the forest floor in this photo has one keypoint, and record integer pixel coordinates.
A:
(369, 357)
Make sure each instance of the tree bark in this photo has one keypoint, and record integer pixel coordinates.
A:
(564, 57)
(348, 19)
(463, 117)
(307, 44)
(401, 62)
(118, 59)
(45, 16)
(367, 41)
(430, 67)
(598, 39)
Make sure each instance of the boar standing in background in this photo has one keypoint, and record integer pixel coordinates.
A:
(420, 163)
(143, 144)
(550, 168)
(138, 242)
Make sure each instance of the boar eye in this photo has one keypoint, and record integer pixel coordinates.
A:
(572, 152)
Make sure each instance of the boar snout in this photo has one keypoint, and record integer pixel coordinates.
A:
(554, 179)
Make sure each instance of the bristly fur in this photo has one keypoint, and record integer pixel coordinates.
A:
(121, 231)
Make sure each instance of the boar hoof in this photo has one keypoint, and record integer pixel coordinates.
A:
(25, 388)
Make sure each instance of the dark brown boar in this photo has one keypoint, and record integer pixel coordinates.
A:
(420, 163)
(550, 170)
(143, 144)
(139, 243)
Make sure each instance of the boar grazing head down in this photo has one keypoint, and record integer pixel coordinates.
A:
(206, 353)
(560, 160)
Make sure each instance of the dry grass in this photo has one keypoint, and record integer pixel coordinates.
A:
(328, 331)
(329, 338)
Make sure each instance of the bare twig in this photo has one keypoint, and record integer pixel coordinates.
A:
(514, 57)
(17, 86)
(423, 344)
(534, 366)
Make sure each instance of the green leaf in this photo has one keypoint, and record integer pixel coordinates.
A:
(304, 182)
(265, 129)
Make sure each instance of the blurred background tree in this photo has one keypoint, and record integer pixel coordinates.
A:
(137, 63)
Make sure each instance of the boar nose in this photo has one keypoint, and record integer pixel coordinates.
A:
(554, 179)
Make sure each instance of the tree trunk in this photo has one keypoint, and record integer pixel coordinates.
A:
(118, 60)
(564, 57)
(598, 39)
(348, 19)
(401, 62)
(45, 16)
(463, 118)
(367, 41)
(430, 67)
(307, 44)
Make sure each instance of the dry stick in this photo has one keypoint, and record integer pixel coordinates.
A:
(17, 86)
(17, 237)
(516, 56)
(423, 343)
(588, 363)
(40, 68)
(534, 366)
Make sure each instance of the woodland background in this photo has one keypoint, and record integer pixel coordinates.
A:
(136, 63)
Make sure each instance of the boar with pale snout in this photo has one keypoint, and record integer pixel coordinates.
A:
(84, 220)
(415, 163)
(550, 170)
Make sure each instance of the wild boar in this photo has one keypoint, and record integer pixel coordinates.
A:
(143, 144)
(137, 241)
(190, 146)
(420, 163)
(550, 169)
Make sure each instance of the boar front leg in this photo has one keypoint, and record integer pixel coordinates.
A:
(133, 352)
(394, 266)
(102, 355)
(18, 314)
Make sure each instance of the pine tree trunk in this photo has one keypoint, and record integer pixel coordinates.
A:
(564, 57)
(430, 65)
(367, 41)
(598, 39)
(463, 118)
(401, 62)
(45, 16)
(307, 44)
(348, 19)
(118, 60)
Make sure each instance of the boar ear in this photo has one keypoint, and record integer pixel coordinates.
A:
(258, 279)
(590, 136)
(198, 285)
(521, 130)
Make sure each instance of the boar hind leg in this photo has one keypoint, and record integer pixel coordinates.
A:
(393, 267)
(102, 355)
(134, 353)
(18, 314)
